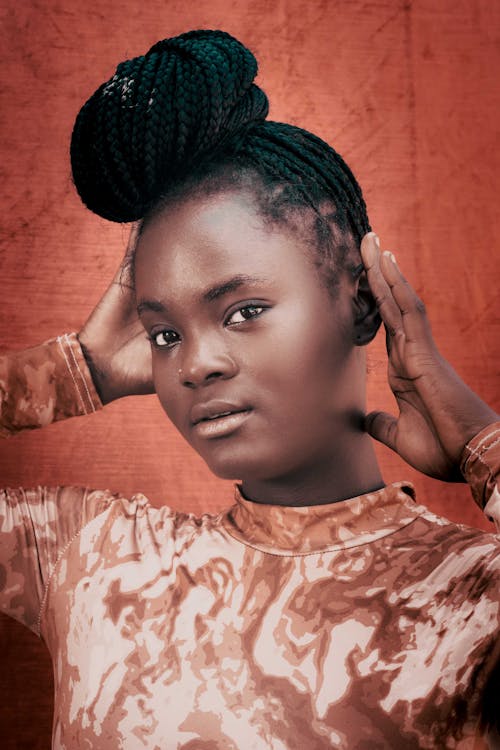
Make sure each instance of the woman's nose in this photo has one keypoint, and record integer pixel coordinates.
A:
(204, 362)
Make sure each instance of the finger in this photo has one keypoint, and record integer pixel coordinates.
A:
(387, 306)
(414, 321)
(125, 275)
(388, 339)
(133, 237)
(382, 427)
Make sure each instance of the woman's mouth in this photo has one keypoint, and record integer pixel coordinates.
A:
(221, 424)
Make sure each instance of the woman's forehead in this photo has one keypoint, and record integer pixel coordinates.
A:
(222, 213)
(217, 237)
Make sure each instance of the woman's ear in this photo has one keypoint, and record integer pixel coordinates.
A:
(366, 316)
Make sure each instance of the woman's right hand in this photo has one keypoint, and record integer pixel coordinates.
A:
(114, 341)
(438, 413)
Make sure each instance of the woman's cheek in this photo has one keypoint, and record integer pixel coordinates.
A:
(165, 388)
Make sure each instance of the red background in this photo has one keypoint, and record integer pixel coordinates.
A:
(407, 92)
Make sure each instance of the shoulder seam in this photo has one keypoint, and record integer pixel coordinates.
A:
(62, 552)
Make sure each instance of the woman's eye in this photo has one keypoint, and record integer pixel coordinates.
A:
(162, 339)
(245, 313)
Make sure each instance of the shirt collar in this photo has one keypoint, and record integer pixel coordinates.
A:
(300, 530)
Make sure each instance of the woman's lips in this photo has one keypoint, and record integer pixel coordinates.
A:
(222, 425)
(216, 407)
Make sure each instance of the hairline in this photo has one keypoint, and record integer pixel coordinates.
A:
(249, 180)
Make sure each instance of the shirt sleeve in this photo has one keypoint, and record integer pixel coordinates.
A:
(45, 384)
(480, 466)
(36, 528)
(38, 386)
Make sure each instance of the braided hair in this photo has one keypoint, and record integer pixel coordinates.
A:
(186, 116)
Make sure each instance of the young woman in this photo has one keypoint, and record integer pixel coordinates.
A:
(324, 608)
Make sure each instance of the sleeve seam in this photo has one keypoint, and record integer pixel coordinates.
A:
(68, 365)
(77, 365)
(480, 453)
(489, 435)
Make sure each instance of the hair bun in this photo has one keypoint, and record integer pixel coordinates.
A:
(159, 114)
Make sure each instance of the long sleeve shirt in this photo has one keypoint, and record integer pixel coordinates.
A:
(362, 624)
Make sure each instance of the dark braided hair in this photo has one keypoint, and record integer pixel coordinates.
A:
(186, 116)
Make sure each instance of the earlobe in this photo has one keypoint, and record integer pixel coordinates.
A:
(367, 319)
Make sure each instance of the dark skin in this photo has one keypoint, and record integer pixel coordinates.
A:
(279, 352)
(269, 343)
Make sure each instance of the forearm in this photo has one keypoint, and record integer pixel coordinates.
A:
(45, 384)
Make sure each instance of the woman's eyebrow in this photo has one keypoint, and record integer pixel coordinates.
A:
(150, 304)
(209, 295)
(231, 285)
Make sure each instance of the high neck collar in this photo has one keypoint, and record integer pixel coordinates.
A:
(291, 530)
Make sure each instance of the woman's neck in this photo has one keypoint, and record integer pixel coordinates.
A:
(351, 469)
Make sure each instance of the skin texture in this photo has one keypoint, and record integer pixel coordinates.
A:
(277, 345)
(299, 364)
(438, 413)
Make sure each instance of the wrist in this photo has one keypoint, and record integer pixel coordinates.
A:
(458, 413)
(97, 374)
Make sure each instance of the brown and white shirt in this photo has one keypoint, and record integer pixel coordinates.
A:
(364, 624)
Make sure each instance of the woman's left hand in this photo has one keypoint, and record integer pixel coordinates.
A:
(438, 412)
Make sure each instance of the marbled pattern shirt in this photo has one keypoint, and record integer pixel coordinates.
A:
(364, 624)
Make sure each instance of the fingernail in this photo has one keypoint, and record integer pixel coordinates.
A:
(393, 258)
(376, 240)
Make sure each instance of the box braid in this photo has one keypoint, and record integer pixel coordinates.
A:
(186, 114)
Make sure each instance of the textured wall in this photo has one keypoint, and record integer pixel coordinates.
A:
(407, 92)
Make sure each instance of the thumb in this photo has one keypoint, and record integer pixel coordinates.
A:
(382, 427)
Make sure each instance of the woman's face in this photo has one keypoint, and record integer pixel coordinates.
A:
(253, 361)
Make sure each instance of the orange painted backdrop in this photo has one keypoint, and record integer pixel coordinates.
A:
(406, 92)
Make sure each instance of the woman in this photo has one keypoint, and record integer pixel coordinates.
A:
(324, 609)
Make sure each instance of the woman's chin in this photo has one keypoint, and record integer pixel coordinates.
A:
(245, 466)
(227, 464)
(232, 469)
